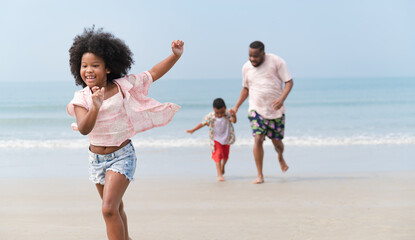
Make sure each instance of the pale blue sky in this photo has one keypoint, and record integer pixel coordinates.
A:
(318, 39)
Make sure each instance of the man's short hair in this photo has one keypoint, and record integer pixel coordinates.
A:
(218, 103)
(257, 45)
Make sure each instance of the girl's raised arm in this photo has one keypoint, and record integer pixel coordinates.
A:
(86, 119)
(164, 66)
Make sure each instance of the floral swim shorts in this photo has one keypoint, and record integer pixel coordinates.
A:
(272, 128)
(122, 161)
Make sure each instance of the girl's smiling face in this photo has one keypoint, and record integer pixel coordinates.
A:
(93, 70)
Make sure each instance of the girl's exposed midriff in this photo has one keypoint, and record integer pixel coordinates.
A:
(106, 150)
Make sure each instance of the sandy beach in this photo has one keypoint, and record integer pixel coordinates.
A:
(180, 199)
(341, 72)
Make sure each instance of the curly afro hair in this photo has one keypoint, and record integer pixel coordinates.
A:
(116, 54)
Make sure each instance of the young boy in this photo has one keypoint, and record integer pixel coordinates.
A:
(221, 133)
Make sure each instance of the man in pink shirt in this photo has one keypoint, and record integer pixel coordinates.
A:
(263, 78)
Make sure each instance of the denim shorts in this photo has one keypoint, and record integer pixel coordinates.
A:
(122, 161)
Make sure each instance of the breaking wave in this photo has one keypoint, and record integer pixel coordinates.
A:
(199, 142)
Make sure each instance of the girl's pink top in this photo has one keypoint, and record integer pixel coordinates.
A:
(125, 114)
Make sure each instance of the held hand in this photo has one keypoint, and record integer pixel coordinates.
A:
(177, 47)
(189, 131)
(232, 112)
(277, 104)
(98, 96)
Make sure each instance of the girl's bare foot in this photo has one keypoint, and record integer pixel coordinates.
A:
(259, 180)
(221, 179)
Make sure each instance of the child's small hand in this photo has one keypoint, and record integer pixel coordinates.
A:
(177, 47)
(189, 131)
(97, 96)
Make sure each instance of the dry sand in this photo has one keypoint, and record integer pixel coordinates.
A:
(297, 206)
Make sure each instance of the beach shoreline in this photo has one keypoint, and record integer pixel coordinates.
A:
(50, 163)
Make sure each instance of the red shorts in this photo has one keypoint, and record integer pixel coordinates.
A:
(221, 152)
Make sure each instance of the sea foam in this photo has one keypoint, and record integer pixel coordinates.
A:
(203, 142)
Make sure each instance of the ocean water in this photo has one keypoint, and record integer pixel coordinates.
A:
(321, 112)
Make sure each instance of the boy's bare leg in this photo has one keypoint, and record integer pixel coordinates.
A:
(112, 205)
(279, 147)
(259, 157)
(223, 163)
(219, 170)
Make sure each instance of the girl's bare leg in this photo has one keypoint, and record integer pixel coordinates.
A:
(124, 220)
(112, 205)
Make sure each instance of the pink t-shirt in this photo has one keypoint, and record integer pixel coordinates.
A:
(265, 85)
(125, 114)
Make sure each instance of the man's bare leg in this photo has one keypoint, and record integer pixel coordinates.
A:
(279, 147)
(259, 157)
